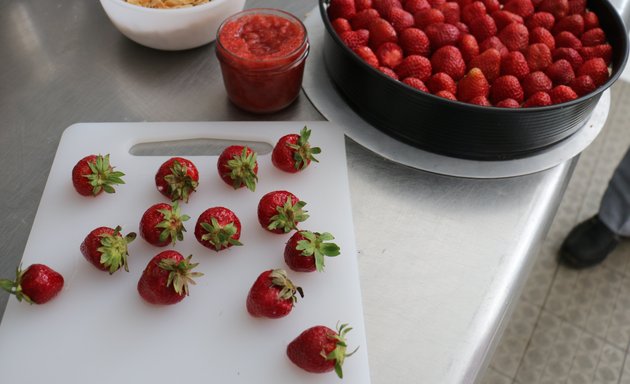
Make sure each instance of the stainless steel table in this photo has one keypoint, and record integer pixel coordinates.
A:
(441, 258)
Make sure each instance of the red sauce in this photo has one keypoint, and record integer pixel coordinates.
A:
(262, 54)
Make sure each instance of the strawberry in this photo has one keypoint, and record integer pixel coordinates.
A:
(293, 153)
(413, 6)
(542, 35)
(562, 94)
(441, 34)
(367, 55)
(503, 18)
(474, 84)
(506, 87)
(363, 19)
(468, 46)
(596, 68)
(566, 39)
(341, 8)
(483, 27)
(381, 31)
(480, 100)
(473, 11)
(538, 56)
(446, 94)
(272, 295)
(583, 85)
(426, 17)
(218, 228)
(441, 82)
(463, 28)
(538, 99)
(592, 37)
(389, 55)
(165, 279)
(570, 55)
(603, 50)
(494, 42)
(389, 72)
(414, 41)
(515, 64)
(341, 25)
(535, 82)
(237, 167)
(577, 7)
(515, 37)
(163, 224)
(177, 178)
(523, 8)
(540, 19)
(280, 211)
(106, 248)
(558, 8)
(508, 103)
(93, 174)
(414, 66)
(319, 349)
(385, 6)
(355, 38)
(448, 59)
(305, 251)
(436, 3)
(400, 19)
(590, 20)
(560, 72)
(362, 4)
(37, 284)
(451, 12)
(492, 6)
(415, 83)
(571, 23)
(489, 61)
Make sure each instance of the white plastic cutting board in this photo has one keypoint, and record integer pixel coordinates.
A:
(99, 330)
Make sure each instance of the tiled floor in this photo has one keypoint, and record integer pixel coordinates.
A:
(574, 326)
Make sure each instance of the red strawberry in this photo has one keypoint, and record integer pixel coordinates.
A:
(305, 251)
(577, 7)
(596, 68)
(363, 19)
(448, 59)
(583, 85)
(414, 66)
(413, 41)
(570, 55)
(362, 4)
(523, 8)
(446, 94)
(106, 248)
(367, 55)
(400, 19)
(558, 8)
(451, 12)
(540, 19)
(568, 40)
(489, 62)
(272, 295)
(571, 23)
(542, 35)
(483, 27)
(492, 6)
(413, 6)
(441, 82)
(93, 174)
(560, 72)
(389, 55)
(590, 20)
(480, 100)
(441, 34)
(562, 94)
(341, 25)
(506, 87)
(381, 31)
(389, 72)
(503, 18)
(280, 211)
(515, 64)
(436, 3)
(218, 228)
(538, 99)
(515, 36)
(536, 82)
(473, 11)
(426, 17)
(37, 284)
(163, 224)
(341, 8)
(603, 50)
(538, 56)
(463, 28)
(415, 83)
(468, 47)
(293, 153)
(237, 167)
(474, 84)
(356, 38)
(592, 37)
(508, 103)
(319, 349)
(494, 42)
(177, 178)
(165, 279)
(384, 6)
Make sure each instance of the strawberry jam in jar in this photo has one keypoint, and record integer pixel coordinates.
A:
(262, 54)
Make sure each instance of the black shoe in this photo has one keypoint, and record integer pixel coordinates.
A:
(588, 244)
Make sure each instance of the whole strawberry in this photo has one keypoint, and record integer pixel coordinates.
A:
(305, 251)
(293, 153)
(106, 248)
(238, 167)
(218, 228)
(272, 295)
(165, 279)
(177, 178)
(163, 224)
(319, 349)
(37, 284)
(280, 211)
(93, 174)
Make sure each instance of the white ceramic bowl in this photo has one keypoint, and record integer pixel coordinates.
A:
(171, 29)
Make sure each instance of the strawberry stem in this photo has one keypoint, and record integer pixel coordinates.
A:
(103, 175)
(288, 216)
(173, 224)
(303, 150)
(114, 251)
(180, 274)
(242, 170)
(339, 353)
(219, 236)
(288, 290)
(14, 287)
(315, 244)
(180, 184)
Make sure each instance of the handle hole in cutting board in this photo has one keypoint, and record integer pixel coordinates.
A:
(195, 147)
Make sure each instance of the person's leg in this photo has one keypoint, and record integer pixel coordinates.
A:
(614, 210)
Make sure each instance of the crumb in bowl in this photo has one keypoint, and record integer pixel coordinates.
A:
(167, 3)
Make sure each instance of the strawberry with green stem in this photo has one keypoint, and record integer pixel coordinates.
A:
(281, 211)
(272, 295)
(177, 178)
(106, 248)
(37, 284)
(163, 224)
(293, 152)
(218, 228)
(238, 167)
(305, 250)
(94, 174)
(166, 278)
